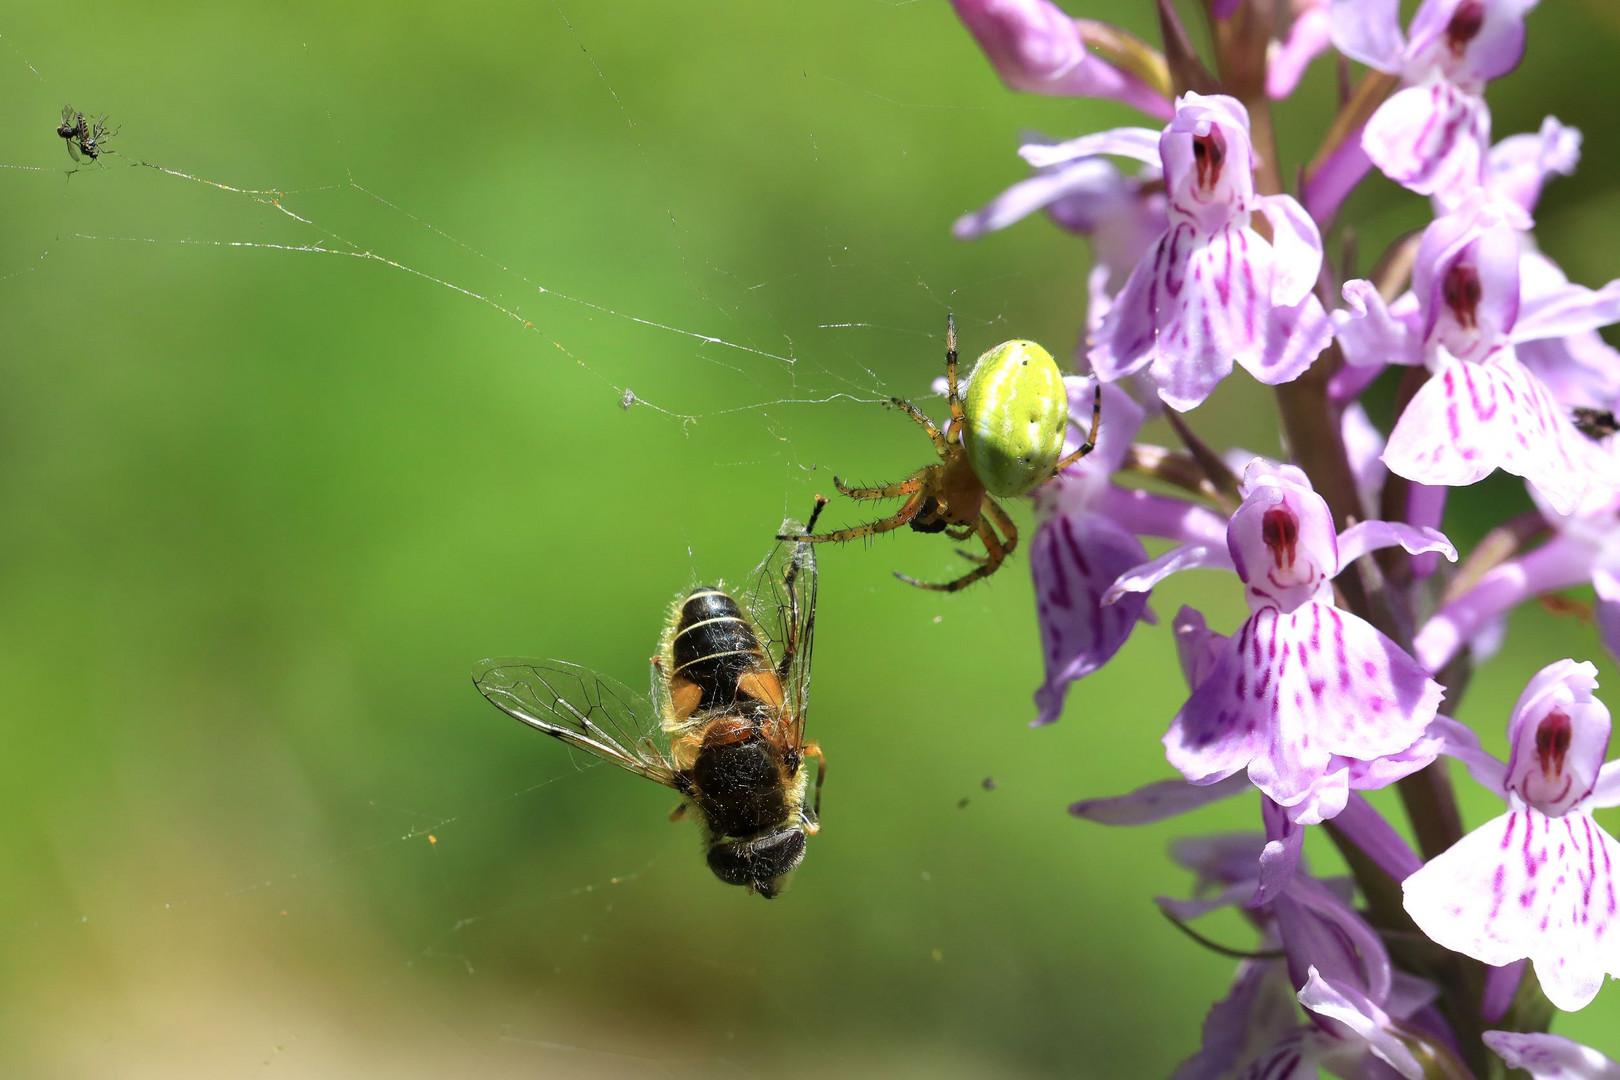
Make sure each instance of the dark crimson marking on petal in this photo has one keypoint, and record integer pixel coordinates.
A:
(1209, 155)
(1552, 743)
(1279, 528)
(1461, 291)
(1075, 551)
(1464, 26)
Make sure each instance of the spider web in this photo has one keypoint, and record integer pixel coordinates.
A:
(369, 348)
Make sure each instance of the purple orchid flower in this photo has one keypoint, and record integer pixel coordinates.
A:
(1086, 537)
(1540, 880)
(1551, 1057)
(1124, 216)
(1516, 170)
(1212, 290)
(1310, 32)
(1585, 548)
(1481, 408)
(1038, 49)
(1432, 135)
(1343, 972)
(1311, 700)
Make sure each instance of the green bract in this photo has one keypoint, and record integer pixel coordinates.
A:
(1017, 412)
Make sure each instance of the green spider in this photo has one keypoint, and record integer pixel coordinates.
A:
(1004, 439)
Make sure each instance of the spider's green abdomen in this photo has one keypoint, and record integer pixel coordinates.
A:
(1017, 414)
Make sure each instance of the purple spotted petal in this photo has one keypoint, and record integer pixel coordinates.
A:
(1430, 138)
(1155, 802)
(1292, 691)
(1362, 1017)
(1470, 419)
(1197, 646)
(1550, 1057)
(1527, 885)
(1075, 558)
(1198, 303)
(1319, 929)
(1468, 41)
(1369, 31)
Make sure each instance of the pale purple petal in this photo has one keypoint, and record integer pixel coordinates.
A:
(1081, 177)
(1501, 985)
(1256, 1019)
(1075, 557)
(1369, 31)
(1461, 743)
(1309, 35)
(1557, 564)
(1296, 244)
(1318, 928)
(1121, 419)
(1358, 1013)
(1036, 48)
(1280, 858)
(1155, 802)
(1430, 138)
(1369, 831)
(1374, 333)
(1470, 419)
(1149, 514)
(1606, 792)
(1559, 733)
(1149, 574)
(1491, 36)
(1567, 311)
(1519, 165)
(1526, 885)
(1139, 143)
(1551, 1057)
(1363, 443)
(1281, 538)
(1197, 646)
(1380, 772)
(1467, 273)
(1365, 536)
(1581, 369)
(1290, 692)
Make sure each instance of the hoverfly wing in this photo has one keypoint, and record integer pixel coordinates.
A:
(783, 603)
(582, 708)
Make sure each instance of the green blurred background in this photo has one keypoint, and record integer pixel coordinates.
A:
(264, 507)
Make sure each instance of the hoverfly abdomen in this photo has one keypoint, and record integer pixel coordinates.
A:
(716, 657)
(742, 786)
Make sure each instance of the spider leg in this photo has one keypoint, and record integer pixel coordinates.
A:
(999, 516)
(1091, 439)
(959, 533)
(957, 412)
(908, 486)
(917, 414)
(790, 582)
(902, 516)
(996, 553)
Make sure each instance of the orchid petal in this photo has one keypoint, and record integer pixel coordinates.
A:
(1279, 859)
(1155, 802)
(1523, 885)
(1369, 831)
(1139, 143)
(1374, 333)
(1297, 245)
(1081, 177)
(1470, 419)
(1559, 733)
(1308, 36)
(1197, 646)
(1358, 1013)
(1075, 558)
(1349, 691)
(1519, 165)
(1462, 744)
(1550, 1057)
(1254, 1021)
(1606, 792)
(1429, 138)
(1149, 574)
(1566, 311)
(1365, 536)
(1369, 31)
(1319, 929)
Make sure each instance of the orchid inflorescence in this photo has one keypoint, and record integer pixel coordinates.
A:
(1447, 961)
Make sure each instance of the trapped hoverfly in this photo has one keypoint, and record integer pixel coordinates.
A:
(730, 683)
